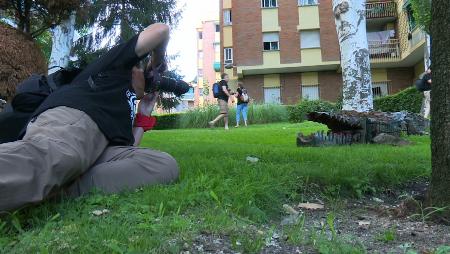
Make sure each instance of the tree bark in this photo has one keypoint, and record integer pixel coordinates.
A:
(350, 18)
(440, 105)
(62, 39)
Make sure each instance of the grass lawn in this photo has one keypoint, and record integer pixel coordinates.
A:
(219, 192)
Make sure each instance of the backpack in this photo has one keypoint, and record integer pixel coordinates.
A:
(29, 96)
(422, 85)
(216, 90)
(244, 97)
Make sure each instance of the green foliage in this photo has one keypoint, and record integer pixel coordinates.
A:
(35, 17)
(167, 121)
(129, 16)
(409, 100)
(257, 114)
(422, 13)
(298, 113)
(387, 236)
(44, 41)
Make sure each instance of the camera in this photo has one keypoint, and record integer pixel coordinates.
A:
(155, 82)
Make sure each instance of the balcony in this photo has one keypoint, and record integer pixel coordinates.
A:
(381, 10)
(384, 51)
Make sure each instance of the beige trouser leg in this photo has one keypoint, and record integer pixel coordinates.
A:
(427, 104)
(61, 144)
(122, 168)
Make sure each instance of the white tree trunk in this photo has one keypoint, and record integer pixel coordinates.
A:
(350, 18)
(62, 39)
(427, 56)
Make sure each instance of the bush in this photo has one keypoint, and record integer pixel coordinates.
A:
(298, 112)
(409, 99)
(168, 121)
(257, 114)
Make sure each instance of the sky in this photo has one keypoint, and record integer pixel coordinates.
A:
(183, 40)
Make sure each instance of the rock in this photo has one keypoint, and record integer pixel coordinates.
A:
(2, 104)
(100, 212)
(290, 210)
(311, 206)
(378, 200)
(364, 224)
(252, 159)
(386, 139)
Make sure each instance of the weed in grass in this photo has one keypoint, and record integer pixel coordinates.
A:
(387, 236)
(296, 233)
(426, 213)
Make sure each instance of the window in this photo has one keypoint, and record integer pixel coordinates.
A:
(227, 17)
(200, 55)
(310, 92)
(271, 41)
(200, 73)
(218, 28)
(200, 35)
(310, 39)
(200, 92)
(228, 55)
(272, 95)
(308, 2)
(379, 89)
(269, 3)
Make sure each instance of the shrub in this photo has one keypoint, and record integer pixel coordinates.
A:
(298, 112)
(257, 114)
(168, 121)
(409, 99)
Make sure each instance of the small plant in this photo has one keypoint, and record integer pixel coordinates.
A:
(387, 236)
(426, 213)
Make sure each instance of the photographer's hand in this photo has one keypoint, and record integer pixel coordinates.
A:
(145, 108)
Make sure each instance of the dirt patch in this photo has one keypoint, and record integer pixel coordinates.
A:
(382, 224)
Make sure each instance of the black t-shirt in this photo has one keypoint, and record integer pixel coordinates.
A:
(222, 94)
(425, 79)
(103, 91)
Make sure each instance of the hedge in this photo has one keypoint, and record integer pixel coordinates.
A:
(409, 100)
(167, 121)
(298, 112)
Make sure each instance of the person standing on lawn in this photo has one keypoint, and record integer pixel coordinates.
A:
(426, 80)
(83, 132)
(242, 104)
(222, 99)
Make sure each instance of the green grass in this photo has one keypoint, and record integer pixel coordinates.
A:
(218, 192)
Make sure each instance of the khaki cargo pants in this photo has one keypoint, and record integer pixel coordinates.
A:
(64, 146)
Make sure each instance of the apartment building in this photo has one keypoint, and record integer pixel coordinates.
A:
(286, 50)
(208, 61)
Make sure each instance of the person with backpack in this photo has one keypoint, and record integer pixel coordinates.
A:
(242, 104)
(222, 93)
(427, 93)
(424, 85)
(81, 136)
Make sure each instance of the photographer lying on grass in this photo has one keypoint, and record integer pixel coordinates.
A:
(81, 136)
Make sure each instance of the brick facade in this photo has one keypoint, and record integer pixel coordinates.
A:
(400, 78)
(247, 35)
(289, 35)
(254, 85)
(330, 85)
(328, 36)
(290, 88)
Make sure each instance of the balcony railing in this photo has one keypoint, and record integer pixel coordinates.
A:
(383, 9)
(384, 50)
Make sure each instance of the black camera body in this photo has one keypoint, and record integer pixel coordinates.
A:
(154, 81)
